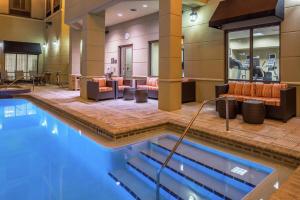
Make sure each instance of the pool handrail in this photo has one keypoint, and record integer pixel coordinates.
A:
(18, 79)
(179, 141)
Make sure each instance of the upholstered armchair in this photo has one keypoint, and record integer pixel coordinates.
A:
(101, 89)
(121, 83)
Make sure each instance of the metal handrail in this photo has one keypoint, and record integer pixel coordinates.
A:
(18, 79)
(179, 141)
(12, 83)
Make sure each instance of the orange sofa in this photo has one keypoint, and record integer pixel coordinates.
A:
(151, 84)
(279, 99)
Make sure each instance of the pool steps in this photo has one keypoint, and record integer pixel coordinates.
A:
(186, 173)
(202, 179)
(212, 161)
(133, 184)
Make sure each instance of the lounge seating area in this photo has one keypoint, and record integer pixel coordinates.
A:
(102, 88)
(278, 98)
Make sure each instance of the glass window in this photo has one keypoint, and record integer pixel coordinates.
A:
(56, 5)
(239, 55)
(20, 7)
(266, 53)
(261, 61)
(10, 66)
(48, 8)
(154, 56)
(20, 65)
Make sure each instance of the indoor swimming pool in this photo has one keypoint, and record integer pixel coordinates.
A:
(41, 157)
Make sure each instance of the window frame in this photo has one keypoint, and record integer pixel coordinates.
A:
(150, 56)
(19, 11)
(251, 52)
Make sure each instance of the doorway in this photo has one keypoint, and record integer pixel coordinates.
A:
(126, 61)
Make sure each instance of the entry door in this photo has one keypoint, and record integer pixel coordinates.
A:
(126, 61)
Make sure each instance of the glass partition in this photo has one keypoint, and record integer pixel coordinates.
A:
(266, 42)
(239, 55)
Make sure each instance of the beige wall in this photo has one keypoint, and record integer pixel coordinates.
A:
(23, 30)
(204, 51)
(141, 31)
(4, 6)
(290, 47)
(57, 56)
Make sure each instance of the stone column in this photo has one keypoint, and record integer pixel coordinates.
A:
(75, 38)
(93, 44)
(170, 71)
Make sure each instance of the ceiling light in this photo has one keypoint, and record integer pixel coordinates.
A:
(193, 16)
(258, 34)
(145, 6)
(120, 14)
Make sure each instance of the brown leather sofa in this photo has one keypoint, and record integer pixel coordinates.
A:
(101, 89)
(121, 83)
(279, 99)
(151, 84)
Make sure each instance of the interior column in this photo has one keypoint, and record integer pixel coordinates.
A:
(93, 44)
(75, 38)
(170, 72)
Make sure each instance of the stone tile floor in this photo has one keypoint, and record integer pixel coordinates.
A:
(120, 116)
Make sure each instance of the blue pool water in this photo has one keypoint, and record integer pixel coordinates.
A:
(42, 158)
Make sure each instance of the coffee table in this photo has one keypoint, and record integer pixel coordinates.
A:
(232, 108)
(253, 111)
(128, 93)
(141, 95)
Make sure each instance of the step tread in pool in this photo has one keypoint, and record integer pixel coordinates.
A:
(134, 185)
(215, 162)
(202, 178)
(169, 184)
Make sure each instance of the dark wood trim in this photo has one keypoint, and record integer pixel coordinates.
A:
(149, 56)
(226, 57)
(251, 56)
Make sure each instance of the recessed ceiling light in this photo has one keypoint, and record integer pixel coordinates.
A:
(120, 14)
(145, 6)
(258, 34)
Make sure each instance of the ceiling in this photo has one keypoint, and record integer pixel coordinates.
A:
(121, 12)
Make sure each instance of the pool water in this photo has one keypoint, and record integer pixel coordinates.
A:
(42, 158)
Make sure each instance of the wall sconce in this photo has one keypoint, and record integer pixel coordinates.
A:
(45, 45)
(56, 43)
(193, 16)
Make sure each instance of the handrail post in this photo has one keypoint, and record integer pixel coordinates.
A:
(33, 84)
(227, 113)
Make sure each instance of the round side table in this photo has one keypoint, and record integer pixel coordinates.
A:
(253, 111)
(232, 108)
(141, 95)
(128, 93)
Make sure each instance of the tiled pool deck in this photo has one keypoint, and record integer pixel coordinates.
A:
(117, 119)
